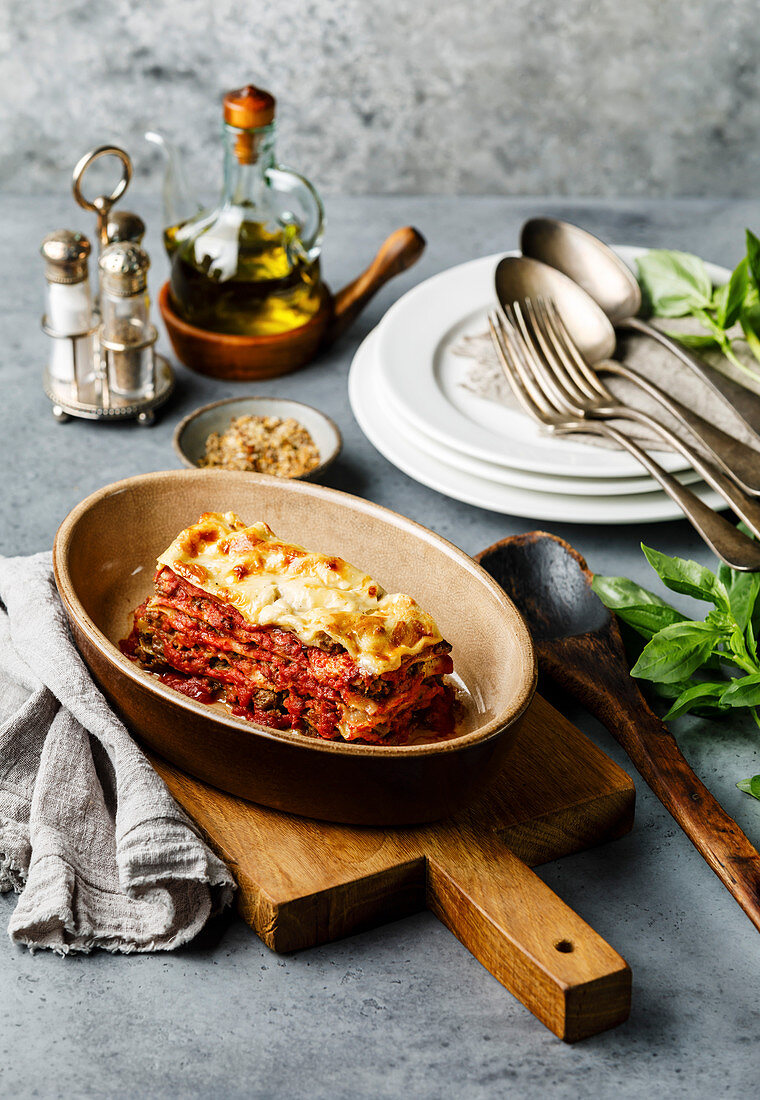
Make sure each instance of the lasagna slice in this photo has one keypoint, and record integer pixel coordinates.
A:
(289, 638)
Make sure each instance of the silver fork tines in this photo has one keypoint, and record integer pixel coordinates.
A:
(577, 391)
(545, 371)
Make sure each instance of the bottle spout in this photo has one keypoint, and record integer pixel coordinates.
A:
(180, 203)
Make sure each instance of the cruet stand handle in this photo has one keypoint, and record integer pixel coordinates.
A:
(103, 203)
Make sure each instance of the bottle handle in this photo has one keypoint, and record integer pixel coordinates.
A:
(312, 222)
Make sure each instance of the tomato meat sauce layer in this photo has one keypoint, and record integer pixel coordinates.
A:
(208, 651)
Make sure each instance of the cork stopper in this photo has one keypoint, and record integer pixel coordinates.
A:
(123, 269)
(65, 253)
(248, 108)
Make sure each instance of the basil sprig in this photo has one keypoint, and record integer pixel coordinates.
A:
(676, 284)
(710, 667)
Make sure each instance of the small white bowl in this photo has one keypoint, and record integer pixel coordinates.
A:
(191, 434)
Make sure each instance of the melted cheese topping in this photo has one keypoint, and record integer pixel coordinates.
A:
(315, 597)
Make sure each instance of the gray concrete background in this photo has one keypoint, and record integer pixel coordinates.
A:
(404, 1010)
(582, 97)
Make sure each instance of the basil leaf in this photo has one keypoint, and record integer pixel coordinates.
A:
(616, 592)
(719, 298)
(738, 649)
(729, 299)
(744, 692)
(749, 319)
(722, 339)
(706, 691)
(743, 589)
(674, 282)
(719, 341)
(689, 577)
(641, 609)
(647, 619)
(750, 786)
(753, 256)
(694, 340)
(670, 691)
(719, 333)
(676, 652)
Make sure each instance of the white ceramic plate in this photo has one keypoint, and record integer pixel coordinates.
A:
(507, 475)
(380, 424)
(423, 377)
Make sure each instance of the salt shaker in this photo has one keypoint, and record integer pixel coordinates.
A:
(69, 313)
(127, 336)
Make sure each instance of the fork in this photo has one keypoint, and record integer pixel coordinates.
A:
(585, 395)
(736, 459)
(544, 401)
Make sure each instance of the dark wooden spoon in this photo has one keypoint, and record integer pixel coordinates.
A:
(578, 644)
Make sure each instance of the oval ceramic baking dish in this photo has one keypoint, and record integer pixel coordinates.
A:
(105, 554)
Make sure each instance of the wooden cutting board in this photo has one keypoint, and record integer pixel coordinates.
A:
(304, 882)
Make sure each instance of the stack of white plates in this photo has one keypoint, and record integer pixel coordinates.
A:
(406, 392)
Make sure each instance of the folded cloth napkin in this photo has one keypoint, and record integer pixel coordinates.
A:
(485, 377)
(90, 837)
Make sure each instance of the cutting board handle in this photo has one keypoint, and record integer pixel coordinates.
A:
(534, 944)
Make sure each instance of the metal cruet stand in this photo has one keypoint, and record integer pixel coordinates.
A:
(95, 398)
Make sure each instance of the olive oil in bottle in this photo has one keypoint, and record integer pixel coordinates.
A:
(250, 266)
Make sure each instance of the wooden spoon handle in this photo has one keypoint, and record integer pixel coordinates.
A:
(602, 683)
(402, 249)
(653, 749)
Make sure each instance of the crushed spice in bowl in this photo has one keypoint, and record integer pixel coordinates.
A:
(264, 435)
(263, 445)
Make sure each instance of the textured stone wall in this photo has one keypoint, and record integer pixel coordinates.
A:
(566, 97)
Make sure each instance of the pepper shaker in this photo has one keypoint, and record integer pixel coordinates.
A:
(127, 336)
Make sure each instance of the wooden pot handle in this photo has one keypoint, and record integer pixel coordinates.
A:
(402, 249)
(534, 944)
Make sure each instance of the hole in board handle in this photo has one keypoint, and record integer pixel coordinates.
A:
(565, 946)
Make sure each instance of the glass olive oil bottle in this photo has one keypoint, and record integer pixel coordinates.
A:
(250, 266)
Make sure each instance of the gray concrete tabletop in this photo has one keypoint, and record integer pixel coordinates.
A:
(403, 1010)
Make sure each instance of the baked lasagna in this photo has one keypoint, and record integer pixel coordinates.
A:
(290, 638)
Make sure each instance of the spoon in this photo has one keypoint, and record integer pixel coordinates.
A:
(591, 264)
(520, 277)
(578, 644)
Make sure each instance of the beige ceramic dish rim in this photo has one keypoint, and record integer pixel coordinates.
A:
(523, 642)
(323, 463)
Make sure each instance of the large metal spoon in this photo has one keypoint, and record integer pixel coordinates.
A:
(578, 644)
(591, 264)
(520, 277)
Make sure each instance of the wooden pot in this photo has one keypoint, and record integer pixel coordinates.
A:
(245, 358)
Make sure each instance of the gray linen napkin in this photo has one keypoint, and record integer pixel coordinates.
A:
(90, 837)
(485, 377)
